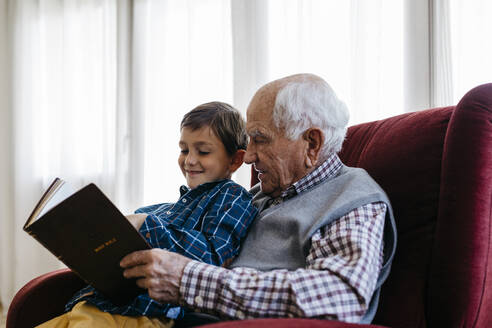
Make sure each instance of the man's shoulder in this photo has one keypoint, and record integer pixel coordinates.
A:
(255, 189)
(356, 176)
(356, 185)
(257, 194)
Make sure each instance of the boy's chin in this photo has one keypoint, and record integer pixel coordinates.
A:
(193, 183)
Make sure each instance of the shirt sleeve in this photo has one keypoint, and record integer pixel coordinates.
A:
(338, 281)
(219, 237)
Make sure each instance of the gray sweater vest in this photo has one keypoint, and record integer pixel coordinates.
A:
(280, 236)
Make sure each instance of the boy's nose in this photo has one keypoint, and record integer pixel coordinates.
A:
(190, 160)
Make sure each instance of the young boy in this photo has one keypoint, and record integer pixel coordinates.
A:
(207, 223)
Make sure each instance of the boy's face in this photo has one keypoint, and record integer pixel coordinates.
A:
(203, 157)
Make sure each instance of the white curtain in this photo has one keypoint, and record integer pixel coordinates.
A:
(94, 90)
(441, 93)
(61, 116)
(6, 199)
(461, 48)
(182, 58)
(471, 45)
(354, 45)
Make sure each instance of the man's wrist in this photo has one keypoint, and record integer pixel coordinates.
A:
(200, 286)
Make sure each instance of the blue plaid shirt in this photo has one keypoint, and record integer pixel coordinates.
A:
(207, 224)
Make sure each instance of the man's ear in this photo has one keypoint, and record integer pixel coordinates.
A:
(315, 139)
(237, 160)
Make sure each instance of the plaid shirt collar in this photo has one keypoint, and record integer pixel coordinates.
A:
(328, 169)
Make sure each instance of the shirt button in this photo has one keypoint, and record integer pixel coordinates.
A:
(147, 235)
(240, 315)
(199, 301)
(184, 200)
(168, 212)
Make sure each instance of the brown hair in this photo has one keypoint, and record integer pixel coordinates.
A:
(224, 120)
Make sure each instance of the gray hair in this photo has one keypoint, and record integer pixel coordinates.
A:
(308, 103)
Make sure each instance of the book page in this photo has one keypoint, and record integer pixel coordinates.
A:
(63, 191)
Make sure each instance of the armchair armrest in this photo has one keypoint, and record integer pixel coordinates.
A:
(43, 298)
(288, 323)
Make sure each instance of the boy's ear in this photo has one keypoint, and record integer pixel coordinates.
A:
(237, 160)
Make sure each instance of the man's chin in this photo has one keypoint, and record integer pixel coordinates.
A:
(264, 187)
(268, 189)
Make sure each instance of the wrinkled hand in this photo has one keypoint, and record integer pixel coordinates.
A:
(158, 271)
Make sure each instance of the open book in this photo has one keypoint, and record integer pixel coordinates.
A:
(84, 230)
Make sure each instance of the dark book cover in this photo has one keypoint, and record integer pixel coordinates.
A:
(91, 236)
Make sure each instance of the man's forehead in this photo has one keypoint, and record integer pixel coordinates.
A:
(261, 106)
(255, 128)
(259, 119)
(262, 103)
(264, 99)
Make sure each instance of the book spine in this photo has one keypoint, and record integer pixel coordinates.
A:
(35, 236)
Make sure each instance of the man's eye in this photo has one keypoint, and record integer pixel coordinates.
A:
(204, 152)
(184, 151)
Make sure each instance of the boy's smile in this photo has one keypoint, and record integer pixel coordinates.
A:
(203, 157)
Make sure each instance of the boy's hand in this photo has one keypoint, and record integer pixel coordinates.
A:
(158, 271)
(137, 219)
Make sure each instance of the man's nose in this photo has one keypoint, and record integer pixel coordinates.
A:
(250, 155)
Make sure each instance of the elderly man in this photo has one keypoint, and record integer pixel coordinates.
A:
(324, 238)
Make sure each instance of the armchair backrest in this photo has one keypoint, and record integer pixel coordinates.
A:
(436, 167)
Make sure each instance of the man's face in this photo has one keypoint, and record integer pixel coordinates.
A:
(279, 161)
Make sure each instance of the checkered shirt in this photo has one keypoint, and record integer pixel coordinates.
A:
(327, 169)
(338, 281)
(207, 224)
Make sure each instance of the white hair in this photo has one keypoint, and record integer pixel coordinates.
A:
(311, 103)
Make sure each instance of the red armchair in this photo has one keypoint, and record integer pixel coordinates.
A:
(436, 167)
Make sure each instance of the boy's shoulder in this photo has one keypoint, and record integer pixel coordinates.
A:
(153, 208)
(228, 185)
(223, 190)
(212, 188)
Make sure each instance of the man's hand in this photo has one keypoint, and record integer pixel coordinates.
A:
(158, 271)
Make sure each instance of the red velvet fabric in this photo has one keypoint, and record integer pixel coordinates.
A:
(436, 167)
(287, 323)
(42, 298)
(460, 284)
(403, 154)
